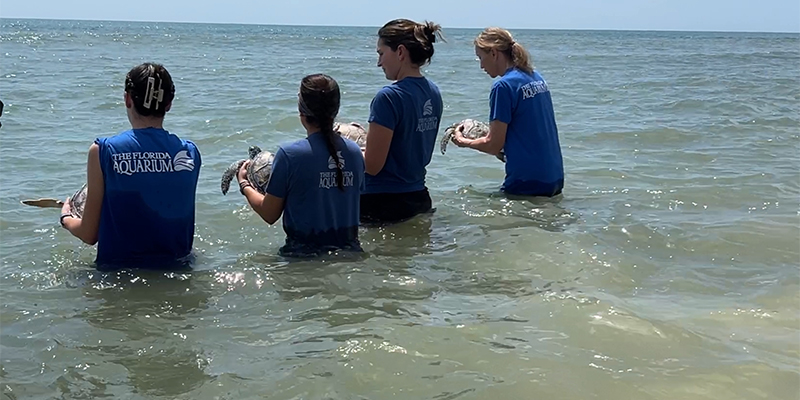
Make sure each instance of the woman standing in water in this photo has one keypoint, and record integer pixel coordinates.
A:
(316, 181)
(403, 124)
(141, 183)
(521, 118)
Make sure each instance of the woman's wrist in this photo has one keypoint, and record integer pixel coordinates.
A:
(244, 183)
(61, 220)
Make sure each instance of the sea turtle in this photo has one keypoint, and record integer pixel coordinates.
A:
(352, 131)
(77, 202)
(258, 172)
(473, 129)
(260, 168)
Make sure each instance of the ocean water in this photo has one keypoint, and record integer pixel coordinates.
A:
(668, 269)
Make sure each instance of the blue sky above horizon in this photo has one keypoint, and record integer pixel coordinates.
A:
(676, 15)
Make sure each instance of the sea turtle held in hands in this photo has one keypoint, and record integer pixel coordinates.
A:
(77, 202)
(258, 171)
(473, 129)
(352, 131)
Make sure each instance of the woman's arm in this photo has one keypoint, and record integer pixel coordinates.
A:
(492, 143)
(379, 139)
(268, 207)
(86, 228)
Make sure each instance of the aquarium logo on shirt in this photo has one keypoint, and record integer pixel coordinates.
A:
(532, 89)
(327, 180)
(427, 123)
(149, 162)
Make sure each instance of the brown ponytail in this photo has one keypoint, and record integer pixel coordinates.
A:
(417, 38)
(319, 102)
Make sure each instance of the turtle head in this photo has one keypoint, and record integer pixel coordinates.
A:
(253, 151)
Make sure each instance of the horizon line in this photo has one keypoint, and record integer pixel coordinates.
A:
(378, 26)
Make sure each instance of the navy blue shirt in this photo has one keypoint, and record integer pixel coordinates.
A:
(412, 109)
(317, 215)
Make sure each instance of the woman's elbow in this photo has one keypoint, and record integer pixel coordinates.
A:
(372, 168)
(270, 217)
(90, 240)
(491, 148)
(372, 171)
(495, 147)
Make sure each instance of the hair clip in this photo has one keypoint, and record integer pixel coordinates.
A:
(152, 93)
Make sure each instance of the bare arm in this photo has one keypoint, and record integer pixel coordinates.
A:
(86, 228)
(268, 207)
(379, 138)
(492, 143)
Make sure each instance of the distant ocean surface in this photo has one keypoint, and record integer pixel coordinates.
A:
(668, 270)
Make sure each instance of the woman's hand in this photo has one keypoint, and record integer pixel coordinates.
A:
(242, 174)
(459, 139)
(66, 209)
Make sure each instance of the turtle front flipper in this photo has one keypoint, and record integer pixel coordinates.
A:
(228, 175)
(448, 136)
(44, 203)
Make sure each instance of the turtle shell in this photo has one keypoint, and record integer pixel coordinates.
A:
(352, 131)
(260, 169)
(78, 201)
(473, 129)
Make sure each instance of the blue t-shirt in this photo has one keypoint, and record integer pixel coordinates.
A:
(533, 153)
(317, 215)
(147, 217)
(412, 109)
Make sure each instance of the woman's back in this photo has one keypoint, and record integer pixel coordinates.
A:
(412, 109)
(318, 215)
(533, 152)
(148, 211)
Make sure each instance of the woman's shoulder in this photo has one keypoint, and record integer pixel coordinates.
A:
(295, 146)
(392, 90)
(353, 152)
(433, 88)
(119, 138)
(515, 78)
(429, 82)
(504, 83)
(190, 144)
(352, 146)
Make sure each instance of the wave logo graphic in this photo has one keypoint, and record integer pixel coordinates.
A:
(183, 162)
(427, 109)
(332, 162)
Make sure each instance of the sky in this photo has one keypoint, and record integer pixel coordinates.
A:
(674, 15)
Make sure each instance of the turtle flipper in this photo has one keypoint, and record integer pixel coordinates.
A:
(448, 136)
(44, 203)
(228, 175)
